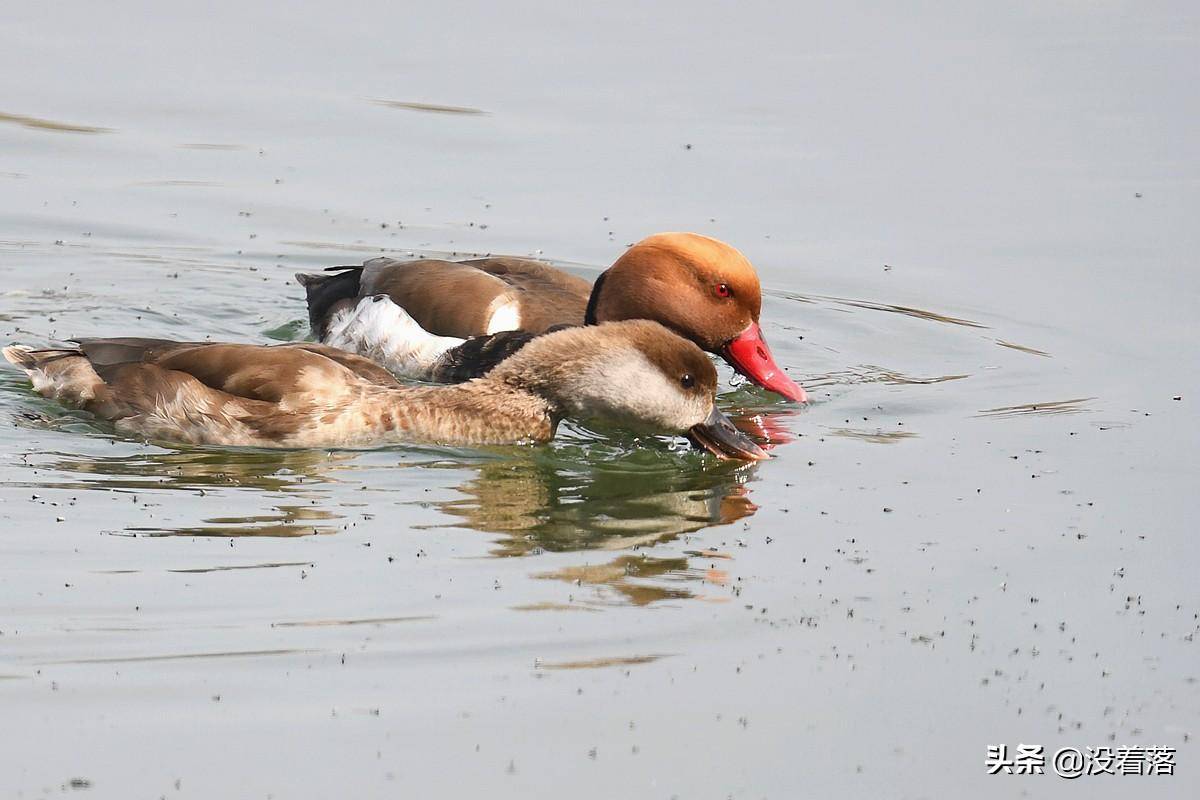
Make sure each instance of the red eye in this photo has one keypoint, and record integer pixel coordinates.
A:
(723, 290)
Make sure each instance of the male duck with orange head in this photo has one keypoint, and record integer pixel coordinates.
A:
(467, 316)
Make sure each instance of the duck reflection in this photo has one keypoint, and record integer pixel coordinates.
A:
(632, 580)
(290, 521)
(300, 477)
(565, 498)
(192, 469)
(585, 492)
(578, 495)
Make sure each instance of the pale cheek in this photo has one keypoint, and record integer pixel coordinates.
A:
(698, 410)
(685, 413)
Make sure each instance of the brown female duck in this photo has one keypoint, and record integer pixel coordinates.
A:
(634, 374)
(699, 287)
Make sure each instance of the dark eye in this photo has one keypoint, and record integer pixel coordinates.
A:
(687, 381)
(723, 290)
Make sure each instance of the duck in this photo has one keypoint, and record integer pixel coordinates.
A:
(470, 315)
(634, 374)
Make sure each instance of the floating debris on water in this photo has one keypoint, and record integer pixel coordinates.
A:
(435, 108)
(598, 663)
(38, 123)
(1023, 348)
(877, 436)
(1051, 407)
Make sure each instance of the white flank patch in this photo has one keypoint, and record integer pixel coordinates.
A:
(384, 332)
(507, 317)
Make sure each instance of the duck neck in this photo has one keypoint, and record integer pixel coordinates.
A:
(477, 412)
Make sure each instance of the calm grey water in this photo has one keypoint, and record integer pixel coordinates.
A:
(977, 226)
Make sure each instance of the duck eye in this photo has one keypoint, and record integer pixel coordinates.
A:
(687, 381)
(723, 290)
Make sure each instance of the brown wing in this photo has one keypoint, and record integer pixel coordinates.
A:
(283, 373)
(444, 297)
(255, 372)
(128, 349)
(364, 368)
(547, 295)
(451, 298)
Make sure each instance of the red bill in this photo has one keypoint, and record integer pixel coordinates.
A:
(748, 354)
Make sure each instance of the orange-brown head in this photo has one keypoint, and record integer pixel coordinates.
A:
(701, 288)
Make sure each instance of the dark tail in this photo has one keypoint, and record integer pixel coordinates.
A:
(329, 293)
